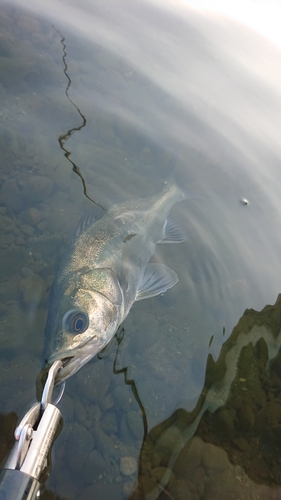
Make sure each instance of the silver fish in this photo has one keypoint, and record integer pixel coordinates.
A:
(104, 272)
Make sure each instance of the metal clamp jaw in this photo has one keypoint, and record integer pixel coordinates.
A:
(37, 431)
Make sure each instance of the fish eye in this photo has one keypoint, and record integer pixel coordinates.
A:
(75, 321)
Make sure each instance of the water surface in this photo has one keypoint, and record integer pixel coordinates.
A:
(100, 103)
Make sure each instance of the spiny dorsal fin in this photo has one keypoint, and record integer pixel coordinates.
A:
(86, 220)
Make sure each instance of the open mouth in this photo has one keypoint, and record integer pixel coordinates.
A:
(71, 365)
(66, 361)
(66, 370)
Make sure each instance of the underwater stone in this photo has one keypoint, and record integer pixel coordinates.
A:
(95, 412)
(214, 458)
(33, 288)
(109, 423)
(241, 444)
(67, 408)
(162, 475)
(36, 189)
(169, 441)
(135, 423)
(147, 489)
(79, 445)
(246, 416)
(107, 402)
(146, 335)
(105, 444)
(93, 392)
(6, 44)
(189, 459)
(26, 271)
(61, 176)
(94, 466)
(31, 216)
(11, 261)
(8, 291)
(121, 397)
(10, 195)
(231, 484)
(81, 415)
(181, 490)
(68, 482)
(128, 488)
(128, 465)
(27, 229)
(102, 490)
(59, 221)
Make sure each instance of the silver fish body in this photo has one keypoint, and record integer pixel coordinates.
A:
(104, 272)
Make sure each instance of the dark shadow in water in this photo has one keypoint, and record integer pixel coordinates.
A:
(63, 138)
(119, 337)
(7, 427)
(229, 446)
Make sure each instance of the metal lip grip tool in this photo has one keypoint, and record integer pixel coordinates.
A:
(19, 479)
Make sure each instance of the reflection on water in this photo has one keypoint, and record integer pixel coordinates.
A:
(116, 371)
(158, 90)
(229, 446)
(64, 137)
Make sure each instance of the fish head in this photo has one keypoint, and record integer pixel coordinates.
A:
(84, 314)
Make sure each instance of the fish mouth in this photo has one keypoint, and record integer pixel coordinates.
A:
(70, 365)
(73, 359)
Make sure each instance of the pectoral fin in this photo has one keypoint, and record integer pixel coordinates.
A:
(173, 233)
(156, 279)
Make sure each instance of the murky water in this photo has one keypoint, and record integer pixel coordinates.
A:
(101, 102)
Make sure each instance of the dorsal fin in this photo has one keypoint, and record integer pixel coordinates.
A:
(86, 220)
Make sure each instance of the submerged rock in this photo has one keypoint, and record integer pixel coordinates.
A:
(10, 195)
(33, 288)
(11, 261)
(32, 216)
(36, 189)
(128, 466)
(80, 443)
(95, 466)
(135, 423)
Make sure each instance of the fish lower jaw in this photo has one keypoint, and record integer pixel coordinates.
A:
(71, 365)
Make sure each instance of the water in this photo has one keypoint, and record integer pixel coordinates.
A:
(106, 100)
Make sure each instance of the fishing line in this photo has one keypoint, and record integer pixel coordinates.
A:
(64, 137)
